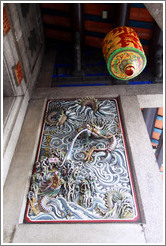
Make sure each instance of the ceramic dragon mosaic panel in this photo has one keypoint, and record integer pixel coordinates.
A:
(81, 172)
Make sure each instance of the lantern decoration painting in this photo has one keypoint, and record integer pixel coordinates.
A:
(123, 53)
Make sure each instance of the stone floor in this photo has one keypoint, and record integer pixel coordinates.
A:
(147, 180)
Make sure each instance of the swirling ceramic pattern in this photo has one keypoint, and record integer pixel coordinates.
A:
(65, 186)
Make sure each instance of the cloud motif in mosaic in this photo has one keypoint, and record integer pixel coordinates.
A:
(81, 172)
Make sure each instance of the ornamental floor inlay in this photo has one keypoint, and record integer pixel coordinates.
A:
(82, 172)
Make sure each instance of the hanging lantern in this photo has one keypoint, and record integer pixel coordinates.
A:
(123, 53)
